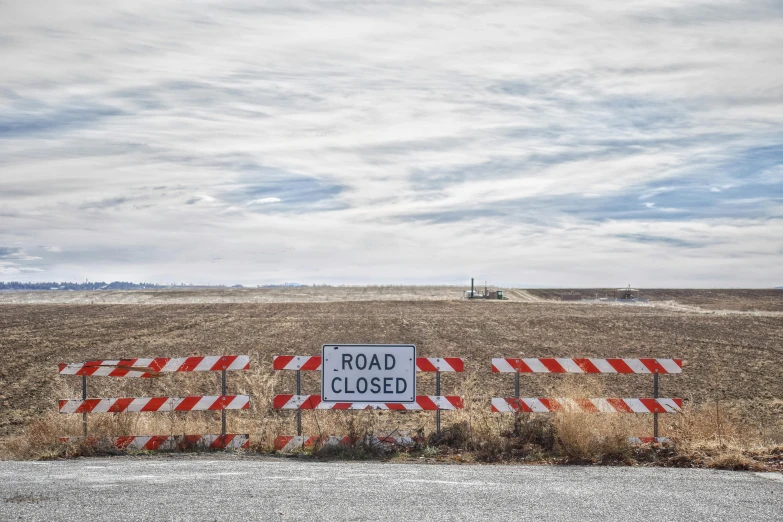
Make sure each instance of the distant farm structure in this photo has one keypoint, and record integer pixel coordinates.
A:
(626, 294)
(495, 294)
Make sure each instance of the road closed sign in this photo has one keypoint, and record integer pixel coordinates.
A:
(368, 373)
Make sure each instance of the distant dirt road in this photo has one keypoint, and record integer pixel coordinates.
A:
(521, 295)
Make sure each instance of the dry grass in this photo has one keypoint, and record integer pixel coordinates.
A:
(567, 435)
(707, 436)
(735, 462)
(591, 437)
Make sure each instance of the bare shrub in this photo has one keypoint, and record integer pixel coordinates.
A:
(535, 429)
(356, 449)
(589, 436)
(475, 428)
(735, 462)
(712, 428)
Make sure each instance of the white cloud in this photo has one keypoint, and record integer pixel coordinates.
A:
(396, 136)
(201, 198)
(15, 269)
(264, 201)
(16, 253)
(11, 259)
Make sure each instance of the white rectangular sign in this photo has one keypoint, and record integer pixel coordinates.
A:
(368, 373)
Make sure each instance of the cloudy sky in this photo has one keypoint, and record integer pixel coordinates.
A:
(526, 143)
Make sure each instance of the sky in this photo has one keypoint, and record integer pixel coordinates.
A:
(570, 144)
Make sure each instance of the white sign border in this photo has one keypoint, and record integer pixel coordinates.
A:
(415, 373)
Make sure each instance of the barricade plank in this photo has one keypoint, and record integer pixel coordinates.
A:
(141, 404)
(423, 364)
(586, 365)
(148, 368)
(593, 405)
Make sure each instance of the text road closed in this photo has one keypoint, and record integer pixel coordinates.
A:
(368, 373)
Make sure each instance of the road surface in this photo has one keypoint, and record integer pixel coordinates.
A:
(243, 488)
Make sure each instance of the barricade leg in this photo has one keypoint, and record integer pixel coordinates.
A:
(655, 396)
(298, 412)
(437, 392)
(84, 398)
(516, 395)
(223, 411)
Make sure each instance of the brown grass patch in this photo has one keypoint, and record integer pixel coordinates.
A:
(735, 462)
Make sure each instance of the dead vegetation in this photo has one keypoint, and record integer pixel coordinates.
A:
(732, 389)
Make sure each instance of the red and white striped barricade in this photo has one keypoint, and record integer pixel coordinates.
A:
(147, 368)
(140, 404)
(597, 405)
(654, 405)
(301, 402)
(154, 367)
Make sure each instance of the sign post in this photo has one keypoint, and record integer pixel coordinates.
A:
(368, 373)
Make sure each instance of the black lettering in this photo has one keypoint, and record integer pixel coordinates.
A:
(359, 383)
(363, 364)
(386, 360)
(346, 387)
(387, 384)
(347, 360)
(375, 385)
(335, 390)
(404, 385)
(374, 361)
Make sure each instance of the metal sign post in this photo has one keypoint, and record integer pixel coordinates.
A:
(299, 412)
(437, 392)
(655, 396)
(223, 411)
(516, 395)
(84, 398)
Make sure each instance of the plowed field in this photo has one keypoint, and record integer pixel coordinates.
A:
(733, 358)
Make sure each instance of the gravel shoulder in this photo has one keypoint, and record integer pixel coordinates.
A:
(240, 488)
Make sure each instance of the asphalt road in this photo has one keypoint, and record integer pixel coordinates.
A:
(242, 488)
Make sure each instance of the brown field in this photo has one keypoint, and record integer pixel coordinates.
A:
(733, 359)
(770, 300)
